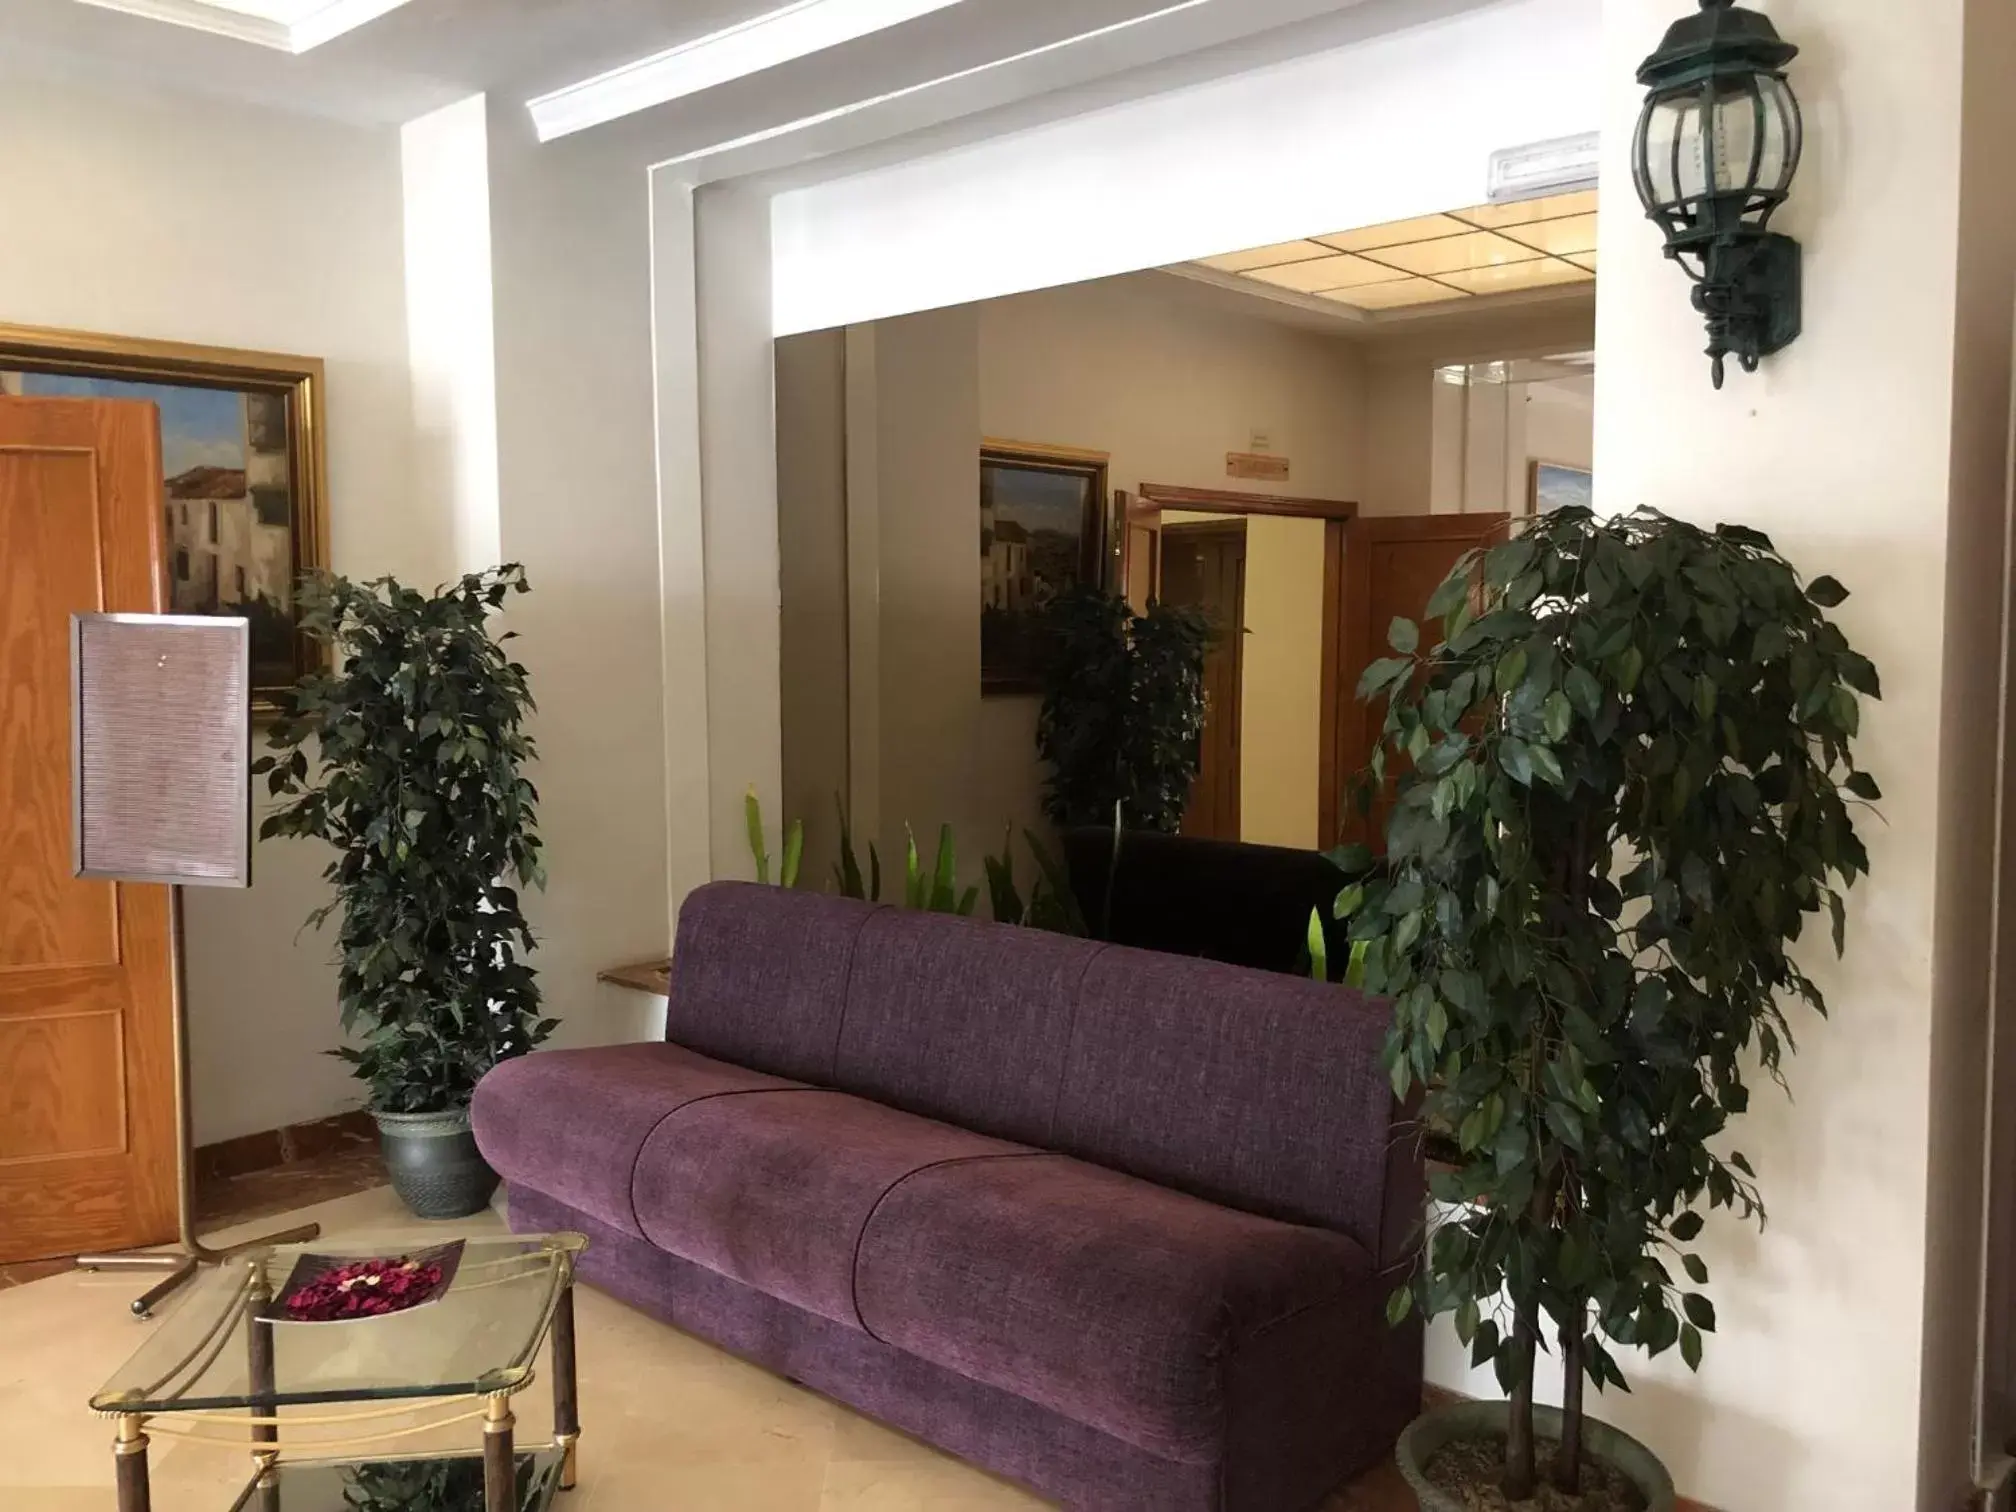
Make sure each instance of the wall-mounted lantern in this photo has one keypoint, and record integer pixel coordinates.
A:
(1717, 146)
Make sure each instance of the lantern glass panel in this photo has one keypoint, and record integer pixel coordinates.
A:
(1669, 161)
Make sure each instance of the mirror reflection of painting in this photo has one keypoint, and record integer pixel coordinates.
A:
(1039, 524)
(1556, 486)
(229, 492)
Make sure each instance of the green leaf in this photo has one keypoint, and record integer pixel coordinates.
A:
(1349, 901)
(1319, 948)
(1557, 715)
(1826, 592)
(1863, 786)
(794, 853)
(1511, 671)
(1404, 636)
(1697, 1269)
(1686, 1228)
(1700, 1311)
(1398, 1304)
(1517, 760)
(1585, 692)
(1546, 764)
(752, 813)
(1690, 1346)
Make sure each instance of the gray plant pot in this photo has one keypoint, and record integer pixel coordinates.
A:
(435, 1166)
(1460, 1420)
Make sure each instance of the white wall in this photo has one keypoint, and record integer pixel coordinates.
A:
(1249, 160)
(1871, 449)
(571, 237)
(451, 330)
(191, 220)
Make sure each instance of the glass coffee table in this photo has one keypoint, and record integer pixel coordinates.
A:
(215, 1368)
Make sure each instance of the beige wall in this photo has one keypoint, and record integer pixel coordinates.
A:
(193, 220)
(1413, 423)
(1872, 449)
(1168, 387)
(1281, 694)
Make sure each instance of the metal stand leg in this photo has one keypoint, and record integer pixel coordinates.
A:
(192, 1252)
(566, 1404)
(129, 1451)
(259, 1367)
(500, 1467)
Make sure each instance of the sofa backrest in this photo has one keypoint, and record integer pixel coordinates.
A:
(1259, 1091)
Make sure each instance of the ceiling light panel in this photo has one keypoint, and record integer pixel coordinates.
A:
(291, 26)
(1396, 295)
(1521, 212)
(752, 47)
(1395, 233)
(1542, 273)
(1268, 257)
(1336, 271)
(1560, 238)
(1450, 254)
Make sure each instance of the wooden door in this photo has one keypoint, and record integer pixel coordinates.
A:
(1204, 567)
(87, 1082)
(1391, 567)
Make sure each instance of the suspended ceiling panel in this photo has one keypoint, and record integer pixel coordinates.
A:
(1434, 259)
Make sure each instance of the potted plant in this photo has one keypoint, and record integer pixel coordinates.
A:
(417, 779)
(1624, 792)
(1123, 710)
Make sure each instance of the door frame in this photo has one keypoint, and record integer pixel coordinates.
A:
(1145, 507)
(1224, 530)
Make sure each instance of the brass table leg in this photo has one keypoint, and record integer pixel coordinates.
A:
(259, 1367)
(566, 1401)
(129, 1461)
(500, 1469)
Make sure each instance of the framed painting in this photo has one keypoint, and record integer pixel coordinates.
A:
(1555, 485)
(245, 475)
(1042, 530)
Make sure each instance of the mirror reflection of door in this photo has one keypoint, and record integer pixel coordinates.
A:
(1204, 567)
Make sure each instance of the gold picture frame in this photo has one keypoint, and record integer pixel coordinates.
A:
(284, 431)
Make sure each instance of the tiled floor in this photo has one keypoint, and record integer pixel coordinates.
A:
(667, 1419)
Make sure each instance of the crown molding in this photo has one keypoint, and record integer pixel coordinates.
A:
(285, 27)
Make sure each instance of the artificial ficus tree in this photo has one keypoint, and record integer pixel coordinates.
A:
(1624, 790)
(408, 757)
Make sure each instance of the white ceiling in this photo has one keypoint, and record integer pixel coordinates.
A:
(427, 53)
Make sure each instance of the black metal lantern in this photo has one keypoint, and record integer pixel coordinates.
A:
(1716, 149)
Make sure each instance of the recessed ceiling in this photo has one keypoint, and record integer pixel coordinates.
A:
(291, 26)
(1435, 259)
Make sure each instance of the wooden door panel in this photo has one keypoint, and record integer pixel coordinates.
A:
(1391, 568)
(51, 552)
(88, 1120)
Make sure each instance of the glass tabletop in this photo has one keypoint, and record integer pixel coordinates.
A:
(479, 1335)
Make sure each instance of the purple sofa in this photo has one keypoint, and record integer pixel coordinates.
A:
(1116, 1225)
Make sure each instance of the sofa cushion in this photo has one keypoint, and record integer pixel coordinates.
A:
(1241, 1087)
(1115, 1302)
(961, 1020)
(773, 1189)
(571, 1122)
(759, 976)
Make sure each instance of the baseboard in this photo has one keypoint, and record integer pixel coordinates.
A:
(285, 1146)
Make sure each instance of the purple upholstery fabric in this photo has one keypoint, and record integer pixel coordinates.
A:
(1188, 1316)
(1264, 1092)
(574, 1120)
(960, 1020)
(1076, 1466)
(773, 1189)
(1112, 1301)
(759, 976)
